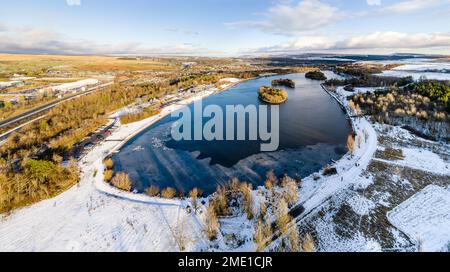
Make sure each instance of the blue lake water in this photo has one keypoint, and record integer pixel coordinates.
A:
(313, 132)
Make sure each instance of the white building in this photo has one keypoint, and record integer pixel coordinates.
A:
(75, 86)
(8, 84)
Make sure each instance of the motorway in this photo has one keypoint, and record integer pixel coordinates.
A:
(42, 109)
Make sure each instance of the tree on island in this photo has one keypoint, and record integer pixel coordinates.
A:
(272, 96)
(284, 82)
(316, 75)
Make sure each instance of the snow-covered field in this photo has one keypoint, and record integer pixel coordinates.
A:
(417, 75)
(425, 217)
(421, 68)
(425, 66)
(422, 159)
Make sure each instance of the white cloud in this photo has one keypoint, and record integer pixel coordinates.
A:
(185, 32)
(414, 5)
(3, 27)
(29, 40)
(73, 2)
(392, 41)
(287, 19)
(373, 2)
(395, 40)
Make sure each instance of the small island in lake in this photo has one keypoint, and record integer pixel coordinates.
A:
(316, 75)
(272, 95)
(284, 82)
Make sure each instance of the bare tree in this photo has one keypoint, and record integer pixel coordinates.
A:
(180, 235)
(122, 181)
(282, 216)
(262, 236)
(309, 244)
(212, 223)
(290, 191)
(220, 202)
(109, 164)
(294, 239)
(258, 237)
(351, 144)
(169, 193)
(366, 135)
(271, 180)
(108, 175)
(152, 191)
(420, 245)
(246, 190)
(194, 194)
(262, 210)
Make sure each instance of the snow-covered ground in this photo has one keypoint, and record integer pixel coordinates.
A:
(421, 68)
(231, 80)
(425, 66)
(417, 75)
(350, 168)
(94, 216)
(347, 212)
(422, 159)
(315, 193)
(425, 217)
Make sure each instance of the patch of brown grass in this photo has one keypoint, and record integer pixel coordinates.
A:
(390, 154)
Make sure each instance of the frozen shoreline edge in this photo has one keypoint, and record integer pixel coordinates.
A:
(362, 159)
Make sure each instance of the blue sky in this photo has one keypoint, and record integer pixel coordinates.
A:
(224, 27)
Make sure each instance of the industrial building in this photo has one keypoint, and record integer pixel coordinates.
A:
(74, 86)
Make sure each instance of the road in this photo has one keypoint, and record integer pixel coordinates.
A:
(33, 113)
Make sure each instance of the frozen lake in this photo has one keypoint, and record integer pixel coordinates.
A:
(313, 132)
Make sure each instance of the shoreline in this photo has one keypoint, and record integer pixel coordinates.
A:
(162, 115)
(342, 105)
(133, 130)
(154, 119)
(87, 217)
(128, 132)
(148, 122)
(349, 167)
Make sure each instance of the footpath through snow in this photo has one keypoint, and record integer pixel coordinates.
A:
(315, 192)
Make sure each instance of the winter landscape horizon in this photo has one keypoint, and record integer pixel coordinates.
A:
(216, 126)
